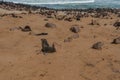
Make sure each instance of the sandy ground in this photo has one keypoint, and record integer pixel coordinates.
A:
(74, 60)
(3, 11)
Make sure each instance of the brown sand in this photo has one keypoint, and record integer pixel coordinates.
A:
(74, 60)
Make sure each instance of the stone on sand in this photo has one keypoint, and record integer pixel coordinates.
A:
(75, 36)
(75, 29)
(117, 24)
(50, 25)
(116, 41)
(69, 39)
(60, 15)
(68, 19)
(98, 45)
(78, 18)
(94, 22)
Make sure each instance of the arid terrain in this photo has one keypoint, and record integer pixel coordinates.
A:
(21, 57)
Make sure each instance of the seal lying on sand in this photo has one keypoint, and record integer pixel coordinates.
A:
(25, 29)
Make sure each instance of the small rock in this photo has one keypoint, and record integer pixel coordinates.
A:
(117, 25)
(45, 19)
(78, 18)
(15, 16)
(116, 41)
(105, 24)
(60, 15)
(75, 29)
(69, 39)
(97, 45)
(49, 16)
(94, 22)
(118, 15)
(68, 19)
(75, 36)
(50, 25)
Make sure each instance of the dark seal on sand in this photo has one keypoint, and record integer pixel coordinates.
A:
(98, 45)
(25, 29)
(46, 48)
